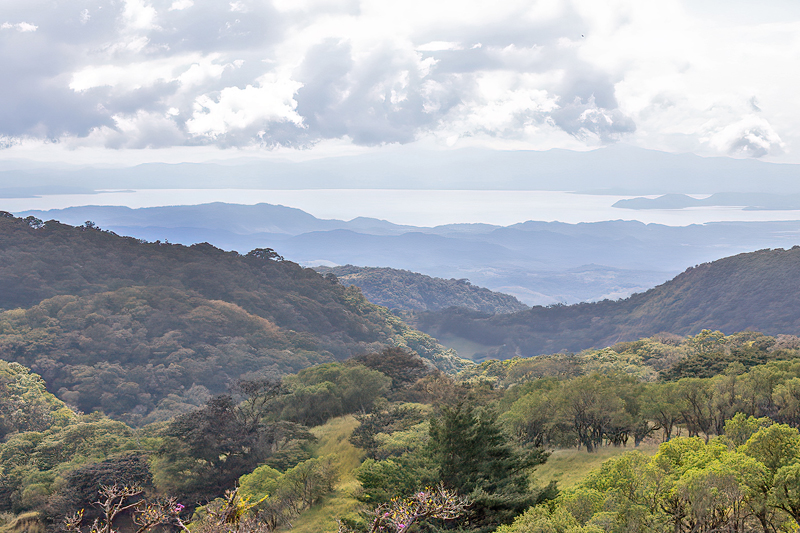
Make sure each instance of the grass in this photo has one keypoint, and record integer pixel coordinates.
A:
(568, 467)
(332, 438)
(24, 523)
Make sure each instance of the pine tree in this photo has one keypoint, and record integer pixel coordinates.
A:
(474, 458)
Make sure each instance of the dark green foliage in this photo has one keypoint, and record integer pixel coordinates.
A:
(207, 450)
(410, 291)
(329, 390)
(126, 351)
(59, 259)
(751, 291)
(473, 457)
(391, 478)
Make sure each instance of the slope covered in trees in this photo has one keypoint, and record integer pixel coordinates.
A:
(145, 331)
(751, 291)
(410, 291)
(417, 433)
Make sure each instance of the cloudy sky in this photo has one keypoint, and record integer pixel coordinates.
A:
(164, 79)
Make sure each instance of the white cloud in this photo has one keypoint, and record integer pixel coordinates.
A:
(271, 99)
(179, 5)
(138, 15)
(22, 27)
(189, 70)
(751, 136)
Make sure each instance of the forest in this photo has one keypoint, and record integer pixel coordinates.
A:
(750, 291)
(150, 386)
(385, 437)
(410, 291)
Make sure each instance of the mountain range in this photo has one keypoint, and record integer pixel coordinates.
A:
(539, 263)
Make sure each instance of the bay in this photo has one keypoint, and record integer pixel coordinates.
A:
(412, 207)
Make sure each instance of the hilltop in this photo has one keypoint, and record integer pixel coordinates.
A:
(410, 291)
(140, 329)
(751, 291)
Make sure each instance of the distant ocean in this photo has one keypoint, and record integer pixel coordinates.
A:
(412, 207)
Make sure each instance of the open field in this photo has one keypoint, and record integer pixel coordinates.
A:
(568, 467)
(333, 439)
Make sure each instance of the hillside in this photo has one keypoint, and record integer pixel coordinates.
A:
(751, 291)
(410, 291)
(137, 329)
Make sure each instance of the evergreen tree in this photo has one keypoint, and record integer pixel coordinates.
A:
(474, 458)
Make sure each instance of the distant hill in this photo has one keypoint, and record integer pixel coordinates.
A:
(752, 291)
(410, 291)
(620, 168)
(127, 326)
(750, 201)
(539, 263)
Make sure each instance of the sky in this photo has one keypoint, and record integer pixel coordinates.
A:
(111, 81)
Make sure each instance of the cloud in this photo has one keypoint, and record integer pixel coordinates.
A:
(143, 73)
(179, 5)
(752, 136)
(22, 27)
(252, 108)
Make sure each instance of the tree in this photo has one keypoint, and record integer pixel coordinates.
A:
(786, 490)
(696, 406)
(662, 403)
(403, 367)
(472, 457)
(591, 404)
(209, 448)
(775, 446)
(740, 428)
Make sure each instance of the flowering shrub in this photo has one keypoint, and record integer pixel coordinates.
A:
(399, 515)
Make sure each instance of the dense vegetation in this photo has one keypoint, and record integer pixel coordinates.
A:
(410, 291)
(146, 331)
(748, 480)
(752, 291)
(478, 437)
(213, 392)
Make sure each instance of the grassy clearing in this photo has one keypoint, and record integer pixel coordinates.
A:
(332, 438)
(568, 467)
